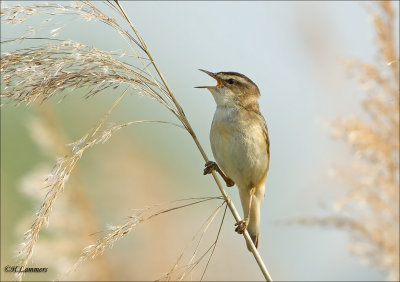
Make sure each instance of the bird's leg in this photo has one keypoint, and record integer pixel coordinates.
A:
(210, 166)
(242, 225)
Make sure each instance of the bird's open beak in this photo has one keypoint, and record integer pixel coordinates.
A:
(219, 82)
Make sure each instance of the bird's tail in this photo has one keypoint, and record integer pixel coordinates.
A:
(254, 222)
(254, 238)
(253, 226)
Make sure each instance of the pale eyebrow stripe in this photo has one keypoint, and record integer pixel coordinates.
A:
(237, 78)
(241, 80)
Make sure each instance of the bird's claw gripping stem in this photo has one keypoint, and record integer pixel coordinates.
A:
(210, 166)
(241, 225)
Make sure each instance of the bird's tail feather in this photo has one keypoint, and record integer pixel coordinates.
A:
(254, 222)
(254, 238)
(253, 226)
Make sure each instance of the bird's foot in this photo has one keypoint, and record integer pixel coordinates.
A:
(211, 166)
(229, 182)
(241, 225)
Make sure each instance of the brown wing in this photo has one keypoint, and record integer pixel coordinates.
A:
(265, 128)
(255, 108)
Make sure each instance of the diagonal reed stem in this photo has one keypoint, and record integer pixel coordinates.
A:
(187, 125)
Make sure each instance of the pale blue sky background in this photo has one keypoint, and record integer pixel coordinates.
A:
(291, 50)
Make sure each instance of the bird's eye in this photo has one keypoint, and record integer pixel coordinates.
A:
(231, 81)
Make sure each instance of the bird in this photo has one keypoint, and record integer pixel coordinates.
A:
(240, 144)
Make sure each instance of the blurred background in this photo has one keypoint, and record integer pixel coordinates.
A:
(295, 52)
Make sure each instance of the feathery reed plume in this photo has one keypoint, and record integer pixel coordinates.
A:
(44, 70)
(47, 132)
(370, 210)
(56, 182)
(40, 72)
(140, 216)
